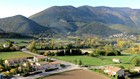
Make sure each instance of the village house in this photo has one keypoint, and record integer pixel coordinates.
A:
(39, 58)
(116, 60)
(55, 65)
(137, 69)
(112, 71)
(14, 61)
(5, 45)
(47, 65)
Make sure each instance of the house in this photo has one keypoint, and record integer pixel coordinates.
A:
(14, 61)
(55, 65)
(137, 69)
(39, 58)
(47, 65)
(5, 45)
(112, 71)
(30, 59)
(116, 60)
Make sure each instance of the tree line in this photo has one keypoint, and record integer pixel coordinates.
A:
(66, 52)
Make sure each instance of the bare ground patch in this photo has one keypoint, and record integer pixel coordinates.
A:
(77, 74)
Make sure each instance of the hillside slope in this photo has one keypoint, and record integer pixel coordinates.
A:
(97, 29)
(21, 24)
(69, 19)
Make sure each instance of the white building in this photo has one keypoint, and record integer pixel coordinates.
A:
(116, 60)
(5, 45)
(137, 69)
(39, 58)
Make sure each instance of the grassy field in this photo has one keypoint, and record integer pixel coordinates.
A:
(18, 41)
(9, 55)
(86, 60)
(101, 60)
(15, 40)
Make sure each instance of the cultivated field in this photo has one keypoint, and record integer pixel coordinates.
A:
(101, 60)
(77, 74)
(9, 55)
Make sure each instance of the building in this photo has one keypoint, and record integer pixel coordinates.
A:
(5, 45)
(47, 65)
(112, 71)
(116, 60)
(137, 69)
(55, 65)
(39, 58)
(14, 61)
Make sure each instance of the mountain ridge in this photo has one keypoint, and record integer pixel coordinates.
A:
(100, 20)
(63, 17)
(20, 24)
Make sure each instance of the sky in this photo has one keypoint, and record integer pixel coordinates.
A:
(30, 7)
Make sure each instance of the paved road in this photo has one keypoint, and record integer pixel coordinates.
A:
(69, 66)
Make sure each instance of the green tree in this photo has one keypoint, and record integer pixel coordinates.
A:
(13, 71)
(136, 61)
(80, 62)
(116, 76)
(31, 46)
(1, 68)
(9, 43)
(52, 43)
(1, 62)
(4, 73)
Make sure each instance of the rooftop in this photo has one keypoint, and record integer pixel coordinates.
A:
(113, 68)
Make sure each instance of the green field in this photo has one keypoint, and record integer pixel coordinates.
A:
(86, 60)
(9, 55)
(18, 41)
(101, 60)
(15, 40)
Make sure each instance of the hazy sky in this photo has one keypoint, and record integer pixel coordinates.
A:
(29, 7)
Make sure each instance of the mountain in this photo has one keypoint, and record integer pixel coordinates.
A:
(21, 24)
(65, 19)
(100, 20)
(97, 29)
(62, 18)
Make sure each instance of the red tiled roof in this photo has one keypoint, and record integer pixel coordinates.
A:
(41, 57)
(54, 62)
(112, 68)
